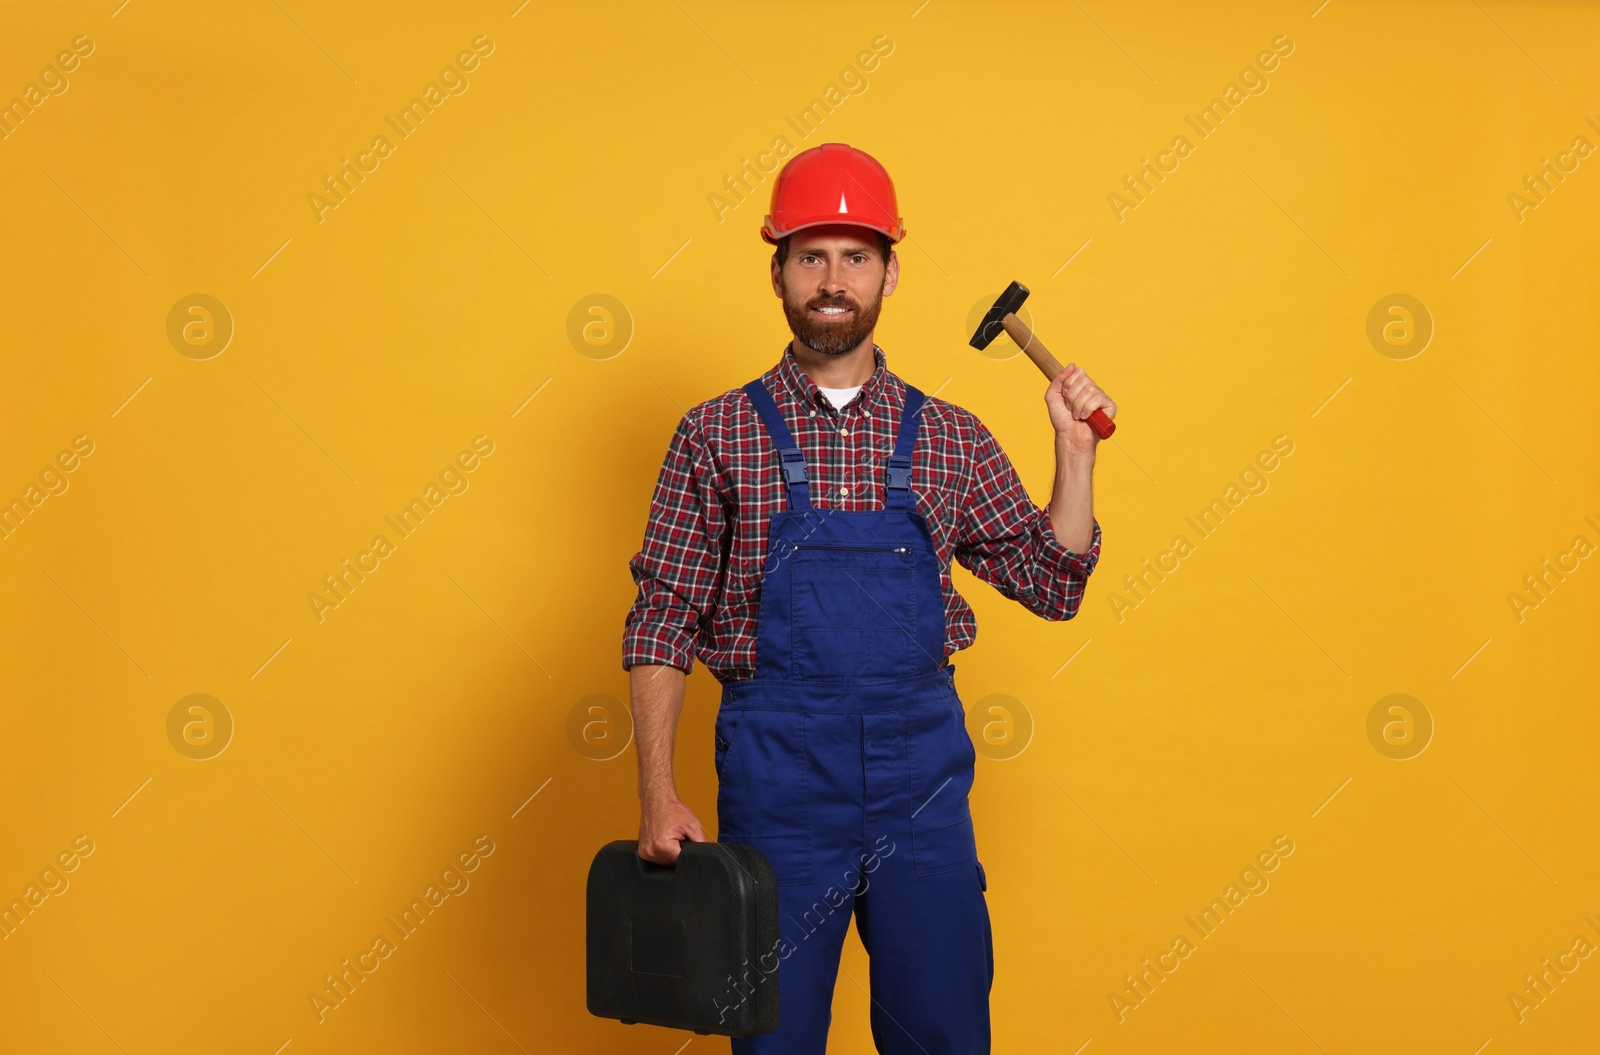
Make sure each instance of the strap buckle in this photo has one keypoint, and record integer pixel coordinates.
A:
(793, 464)
(899, 471)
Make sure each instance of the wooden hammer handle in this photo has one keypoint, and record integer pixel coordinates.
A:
(1051, 366)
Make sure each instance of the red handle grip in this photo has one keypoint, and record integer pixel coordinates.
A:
(1102, 425)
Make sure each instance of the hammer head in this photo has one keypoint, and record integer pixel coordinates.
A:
(1008, 304)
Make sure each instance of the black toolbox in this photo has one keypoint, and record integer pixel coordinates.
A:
(690, 946)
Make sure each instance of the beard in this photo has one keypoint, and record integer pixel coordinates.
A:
(832, 337)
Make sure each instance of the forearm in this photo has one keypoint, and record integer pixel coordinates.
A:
(657, 693)
(1072, 499)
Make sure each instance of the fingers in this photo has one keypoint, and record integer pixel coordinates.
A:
(669, 845)
(659, 851)
(657, 842)
(661, 839)
(666, 848)
(1060, 387)
(1082, 395)
(1073, 390)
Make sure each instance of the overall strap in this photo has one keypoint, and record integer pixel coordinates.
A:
(900, 461)
(790, 460)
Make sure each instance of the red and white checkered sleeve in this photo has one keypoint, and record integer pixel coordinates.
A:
(680, 564)
(1008, 541)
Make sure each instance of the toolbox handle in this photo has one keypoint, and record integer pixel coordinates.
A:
(651, 870)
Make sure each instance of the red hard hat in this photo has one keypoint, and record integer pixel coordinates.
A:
(833, 183)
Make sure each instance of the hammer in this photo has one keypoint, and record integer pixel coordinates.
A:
(1002, 316)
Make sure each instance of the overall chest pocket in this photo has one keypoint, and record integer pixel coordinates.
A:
(854, 610)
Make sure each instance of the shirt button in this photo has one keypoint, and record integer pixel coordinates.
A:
(813, 413)
(844, 431)
(844, 490)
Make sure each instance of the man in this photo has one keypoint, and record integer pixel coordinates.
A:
(799, 543)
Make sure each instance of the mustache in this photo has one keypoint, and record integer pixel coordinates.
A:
(834, 302)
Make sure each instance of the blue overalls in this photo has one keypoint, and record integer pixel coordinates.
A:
(846, 760)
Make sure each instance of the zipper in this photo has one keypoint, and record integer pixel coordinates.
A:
(828, 545)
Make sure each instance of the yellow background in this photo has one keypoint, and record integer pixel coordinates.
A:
(371, 748)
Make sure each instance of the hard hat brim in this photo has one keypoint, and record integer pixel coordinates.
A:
(772, 237)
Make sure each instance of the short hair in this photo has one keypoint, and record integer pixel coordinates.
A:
(781, 253)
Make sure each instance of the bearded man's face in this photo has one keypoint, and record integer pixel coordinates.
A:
(833, 284)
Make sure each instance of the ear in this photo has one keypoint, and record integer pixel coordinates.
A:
(777, 277)
(891, 274)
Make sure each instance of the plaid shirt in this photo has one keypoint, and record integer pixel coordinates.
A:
(699, 570)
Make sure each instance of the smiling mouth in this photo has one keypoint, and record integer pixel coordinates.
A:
(831, 312)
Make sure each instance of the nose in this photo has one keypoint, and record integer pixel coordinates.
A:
(832, 283)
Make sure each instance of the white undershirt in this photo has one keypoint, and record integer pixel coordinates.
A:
(839, 396)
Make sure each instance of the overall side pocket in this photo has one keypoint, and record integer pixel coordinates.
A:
(942, 765)
(726, 730)
(761, 789)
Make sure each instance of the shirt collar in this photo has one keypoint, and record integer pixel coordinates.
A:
(806, 391)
